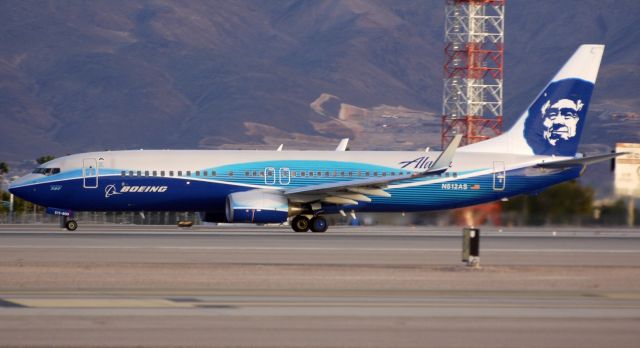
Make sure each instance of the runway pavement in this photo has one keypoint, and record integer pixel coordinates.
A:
(118, 285)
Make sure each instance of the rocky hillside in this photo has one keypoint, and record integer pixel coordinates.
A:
(91, 75)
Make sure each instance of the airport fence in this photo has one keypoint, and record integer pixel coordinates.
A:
(146, 218)
(439, 218)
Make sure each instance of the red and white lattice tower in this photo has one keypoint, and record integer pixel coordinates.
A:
(474, 55)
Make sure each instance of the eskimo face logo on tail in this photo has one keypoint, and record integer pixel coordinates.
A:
(556, 118)
(561, 119)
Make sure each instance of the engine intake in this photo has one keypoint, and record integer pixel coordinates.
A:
(257, 206)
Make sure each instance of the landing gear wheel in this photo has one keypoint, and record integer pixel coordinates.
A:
(318, 224)
(71, 225)
(300, 223)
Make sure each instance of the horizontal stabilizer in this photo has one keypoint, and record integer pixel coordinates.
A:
(582, 161)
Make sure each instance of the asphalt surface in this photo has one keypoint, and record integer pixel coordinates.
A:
(114, 285)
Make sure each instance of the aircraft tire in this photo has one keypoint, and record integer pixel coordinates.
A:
(318, 224)
(300, 223)
(71, 225)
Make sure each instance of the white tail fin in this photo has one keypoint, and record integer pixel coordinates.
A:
(553, 123)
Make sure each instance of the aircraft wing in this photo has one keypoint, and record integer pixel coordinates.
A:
(353, 191)
(580, 161)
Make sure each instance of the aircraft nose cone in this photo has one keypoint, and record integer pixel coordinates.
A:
(17, 190)
(20, 188)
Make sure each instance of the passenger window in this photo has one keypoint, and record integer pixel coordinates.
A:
(162, 173)
(230, 173)
(197, 173)
(393, 173)
(327, 174)
(310, 173)
(188, 173)
(368, 173)
(171, 173)
(139, 173)
(384, 173)
(123, 173)
(204, 173)
(246, 173)
(155, 173)
(319, 173)
(146, 173)
(179, 173)
(131, 173)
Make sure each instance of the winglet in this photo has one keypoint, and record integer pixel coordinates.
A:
(446, 157)
(343, 145)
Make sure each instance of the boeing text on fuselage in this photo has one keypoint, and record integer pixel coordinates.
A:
(111, 190)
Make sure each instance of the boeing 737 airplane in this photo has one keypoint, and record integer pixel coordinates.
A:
(538, 151)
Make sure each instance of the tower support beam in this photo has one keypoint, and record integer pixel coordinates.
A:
(473, 70)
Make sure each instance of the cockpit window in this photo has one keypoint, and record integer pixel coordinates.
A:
(46, 171)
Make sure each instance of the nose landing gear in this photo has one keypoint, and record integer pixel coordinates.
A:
(69, 224)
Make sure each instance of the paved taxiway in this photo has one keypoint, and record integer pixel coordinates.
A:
(109, 285)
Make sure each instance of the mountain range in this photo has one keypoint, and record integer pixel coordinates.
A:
(94, 75)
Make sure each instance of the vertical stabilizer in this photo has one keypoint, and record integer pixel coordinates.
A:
(553, 123)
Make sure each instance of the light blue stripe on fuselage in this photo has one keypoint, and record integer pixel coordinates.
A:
(335, 169)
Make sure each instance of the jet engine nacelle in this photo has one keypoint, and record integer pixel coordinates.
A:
(257, 206)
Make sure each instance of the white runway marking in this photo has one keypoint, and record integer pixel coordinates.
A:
(605, 251)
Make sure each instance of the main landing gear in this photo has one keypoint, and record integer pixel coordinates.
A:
(302, 223)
